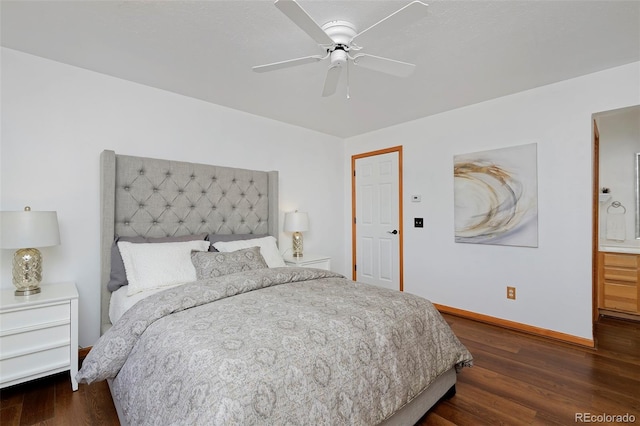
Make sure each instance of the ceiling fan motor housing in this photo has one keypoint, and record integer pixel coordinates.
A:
(341, 32)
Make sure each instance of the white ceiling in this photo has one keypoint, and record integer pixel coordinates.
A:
(465, 51)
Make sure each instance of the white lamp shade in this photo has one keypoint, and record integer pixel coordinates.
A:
(296, 222)
(28, 229)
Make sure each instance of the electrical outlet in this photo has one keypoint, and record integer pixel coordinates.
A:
(418, 222)
(511, 293)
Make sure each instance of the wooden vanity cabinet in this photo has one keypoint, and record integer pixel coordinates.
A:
(619, 283)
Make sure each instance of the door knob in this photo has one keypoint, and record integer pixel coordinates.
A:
(394, 232)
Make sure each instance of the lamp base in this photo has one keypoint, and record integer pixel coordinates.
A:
(27, 271)
(297, 244)
(27, 292)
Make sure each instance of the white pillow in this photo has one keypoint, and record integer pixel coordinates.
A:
(156, 265)
(268, 249)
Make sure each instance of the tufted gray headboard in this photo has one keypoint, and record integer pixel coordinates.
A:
(158, 198)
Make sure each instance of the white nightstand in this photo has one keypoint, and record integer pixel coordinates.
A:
(39, 334)
(309, 261)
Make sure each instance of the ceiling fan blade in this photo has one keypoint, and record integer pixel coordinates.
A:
(331, 81)
(393, 23)
(289, 63)
(385, 65)
(302, 19)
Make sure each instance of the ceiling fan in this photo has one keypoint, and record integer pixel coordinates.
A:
(342, 43)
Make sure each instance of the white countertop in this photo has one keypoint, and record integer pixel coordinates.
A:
(629, 246)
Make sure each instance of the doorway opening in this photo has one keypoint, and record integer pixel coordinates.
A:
(616, 212)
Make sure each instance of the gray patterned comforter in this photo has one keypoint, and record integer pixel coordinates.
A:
(280, 346)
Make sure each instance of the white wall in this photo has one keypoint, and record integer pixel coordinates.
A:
(619, 143)
(553, 281)
(56, 119)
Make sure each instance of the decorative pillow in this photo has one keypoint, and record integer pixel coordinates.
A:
(217, 264)
(118, 276)
(155, 265)
(214, 238)
(268, 249)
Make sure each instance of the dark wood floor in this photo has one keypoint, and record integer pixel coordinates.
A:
(517, 379)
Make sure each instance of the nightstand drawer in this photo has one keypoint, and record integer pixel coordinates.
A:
(33, 340)
(33, 364)
(34, 316)
(324, 264)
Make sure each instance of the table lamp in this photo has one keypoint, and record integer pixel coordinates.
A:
(296, 222)
(25, 230)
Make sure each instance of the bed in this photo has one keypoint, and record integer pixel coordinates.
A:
(258, 343)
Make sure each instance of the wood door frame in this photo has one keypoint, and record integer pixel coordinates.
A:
(596, 224)
(398, 150)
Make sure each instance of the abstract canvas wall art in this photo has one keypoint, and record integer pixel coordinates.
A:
(496, 196)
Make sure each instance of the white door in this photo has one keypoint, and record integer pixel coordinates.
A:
(378, 219)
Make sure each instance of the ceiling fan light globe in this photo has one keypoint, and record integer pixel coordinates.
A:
(338, 58)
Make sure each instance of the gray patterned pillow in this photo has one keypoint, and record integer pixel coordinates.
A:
(217, 264)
